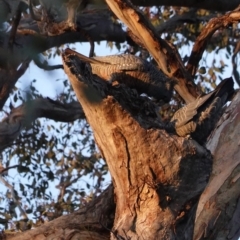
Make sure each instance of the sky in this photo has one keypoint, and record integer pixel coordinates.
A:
(47, 78)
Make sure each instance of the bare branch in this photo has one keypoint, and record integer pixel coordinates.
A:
(3, 170)
(206, 34)
(44, 65)
(31, 42)
(177, 20)
(9, 78)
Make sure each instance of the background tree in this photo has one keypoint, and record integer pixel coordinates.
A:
(158, 177)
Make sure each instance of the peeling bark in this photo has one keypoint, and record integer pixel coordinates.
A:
(166, 55)
(218, 209)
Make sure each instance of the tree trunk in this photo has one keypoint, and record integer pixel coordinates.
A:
(157, 177)
(218, 210)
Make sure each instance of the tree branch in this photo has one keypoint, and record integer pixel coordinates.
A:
(206, 34)
(22, 116)
(217, 5)
(166, 56)
(7, 10)
(92, 221)
(187, 17)
(30, 42)
(9, 78)
(44, 65)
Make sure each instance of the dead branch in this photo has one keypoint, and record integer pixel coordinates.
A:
(187, 17)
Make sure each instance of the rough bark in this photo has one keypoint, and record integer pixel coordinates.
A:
(218, 209)
(154, 187)
(166, 55)
(91, 222)
(223, 185)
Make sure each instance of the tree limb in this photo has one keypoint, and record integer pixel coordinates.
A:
(31, 42)
(22, 116)
(9, 78)
(166, 56)
(90, 222)
(187, 17)
(44, 65)
(202, 40)
(7, 10)
(217, 5)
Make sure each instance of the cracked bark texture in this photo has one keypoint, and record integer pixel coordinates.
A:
(157, 177)
(218, 202)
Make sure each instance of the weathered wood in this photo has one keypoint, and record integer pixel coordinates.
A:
(218, 210)
(157, 177)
